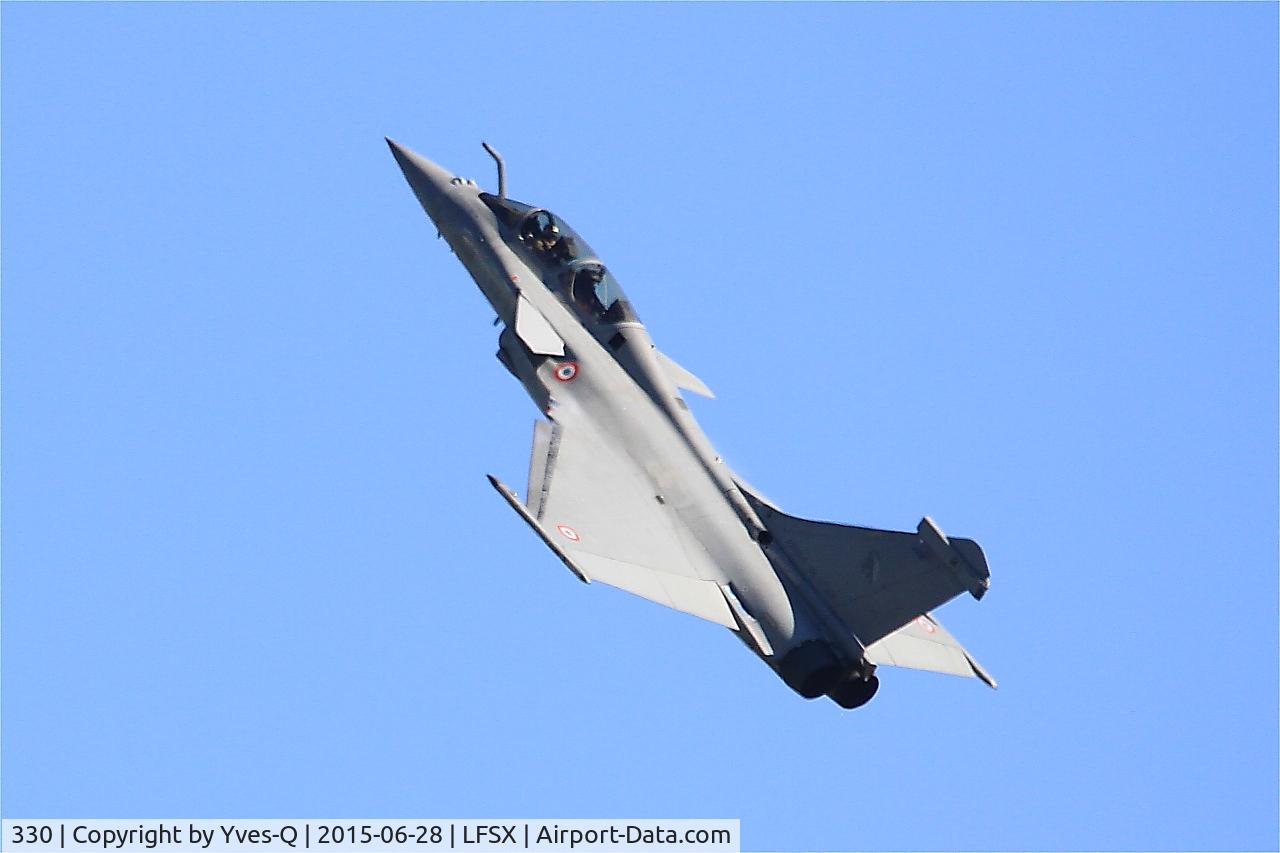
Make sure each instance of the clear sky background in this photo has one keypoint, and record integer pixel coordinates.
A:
(1012, 266)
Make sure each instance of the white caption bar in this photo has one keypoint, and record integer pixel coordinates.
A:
(173, 835)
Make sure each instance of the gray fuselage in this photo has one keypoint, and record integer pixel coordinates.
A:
(621, 386)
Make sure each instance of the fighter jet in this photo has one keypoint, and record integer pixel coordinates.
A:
(626, 489)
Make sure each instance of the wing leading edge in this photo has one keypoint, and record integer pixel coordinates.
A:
(597, 513)
(924, 644)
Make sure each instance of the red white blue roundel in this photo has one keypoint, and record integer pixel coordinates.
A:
(568, 533)
(566, 371)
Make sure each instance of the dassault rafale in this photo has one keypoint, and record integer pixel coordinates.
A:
(625, 488)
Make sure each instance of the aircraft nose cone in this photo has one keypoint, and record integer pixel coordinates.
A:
(429, 181)
(414, 165)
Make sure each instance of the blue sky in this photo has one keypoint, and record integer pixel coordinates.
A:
(1012, 266)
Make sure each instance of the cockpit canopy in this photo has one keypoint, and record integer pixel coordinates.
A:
(569, 265)
(509, 212)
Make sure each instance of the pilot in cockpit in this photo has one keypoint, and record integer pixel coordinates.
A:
(540, 232)
(583, 290)
(546, 240)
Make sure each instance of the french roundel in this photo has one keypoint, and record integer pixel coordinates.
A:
(566, 371)
(568, 533)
